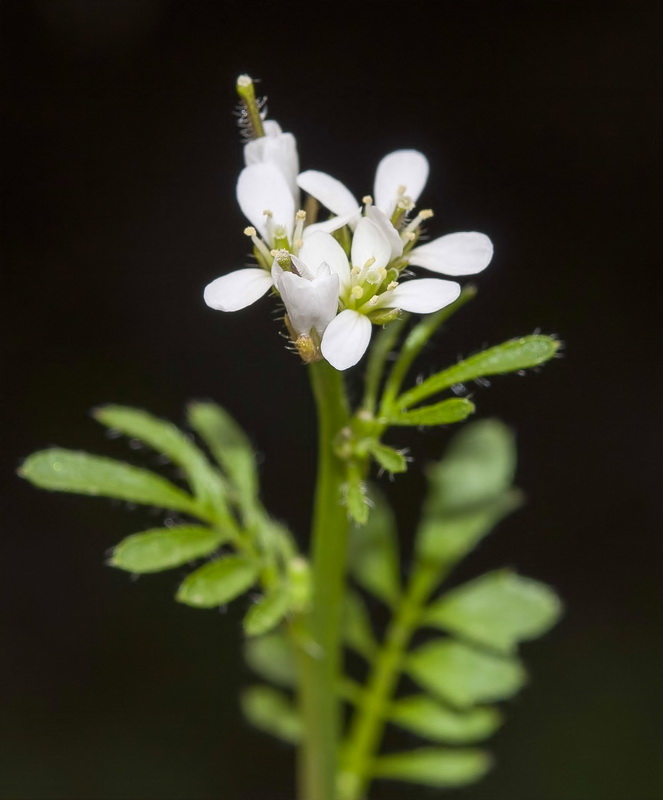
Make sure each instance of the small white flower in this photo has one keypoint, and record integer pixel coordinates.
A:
(278, 148)
(367, 288)
(310, 295)
(399, 180)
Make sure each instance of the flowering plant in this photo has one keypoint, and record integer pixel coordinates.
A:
(338, 276)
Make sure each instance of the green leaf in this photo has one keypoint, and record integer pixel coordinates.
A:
(272, 657)
(389, 459)
(273, 712)
(478, 466)
(266, 614)
(469, 491)
(229, 446)
(447, 411)
(432, 720)
(357, 629)
(168, 439)
(462, 675)
(434, 766)
(82, 473)
(356, 498)
(164, 548)
(448, 538)
(511, 356)
(218, 582)
(373, 553)
(497, 610)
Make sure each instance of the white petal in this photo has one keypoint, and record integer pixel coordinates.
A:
(328, 191)
(454, 254)
(346, 339)
(237, 289)
(263, 187)
(369, 242)
(278, 148)
(271, 127)
(387, 229)
(333, 224)
(408, 168)
(423, 295)
(310, 304)
(322, 247)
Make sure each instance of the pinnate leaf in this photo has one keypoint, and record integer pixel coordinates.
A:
(497, 610)
(444, 413)
(430, 719)
(357, 629)
(83, 473)
(218, 582)
(164, 548)
(273, 712)
(434, 766)
(511, 356)
(373, 554)
(462, 675)
(389, 459)
(266, 614)
(168, 439)
(229, 445)
(272, 657)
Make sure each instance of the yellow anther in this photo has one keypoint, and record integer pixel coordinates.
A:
(373, 301)
(243, 81)
(392, 286)
(369, 262)
(299, 243)
(401, 190)
(301, 214)
(250, 231)
(410, 236)
(382, 272)
(427, 213)
(367, 200)
(357, 292)
(355, 271)
(268, 213)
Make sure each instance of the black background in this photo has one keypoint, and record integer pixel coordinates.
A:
(541, 122)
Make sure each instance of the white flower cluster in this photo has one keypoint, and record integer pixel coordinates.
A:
(333, 295)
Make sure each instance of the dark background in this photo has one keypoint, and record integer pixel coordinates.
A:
(541, 122)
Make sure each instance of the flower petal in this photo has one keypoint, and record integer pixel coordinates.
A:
(333, 224)
(422, 295)
(278, 148)
(454, 254)
(346, 339)
(310, 304)
(321, 247)
(330, 192)
(369, 242)
(387, 229)
(408, 168)
(237, 289)
(263, 187)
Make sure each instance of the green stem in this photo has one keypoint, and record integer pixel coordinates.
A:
(368, 724)
(320, 656)
(415, 342)
(380, 351)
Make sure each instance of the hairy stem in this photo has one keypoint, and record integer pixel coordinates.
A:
(320, 654)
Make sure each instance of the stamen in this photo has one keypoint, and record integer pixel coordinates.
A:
(401, 190)
(423, 215)
(258, 244)
(369, 262)
(391, 286)
(357, 292)
(300, 217)
(367, 200)
(374, 300)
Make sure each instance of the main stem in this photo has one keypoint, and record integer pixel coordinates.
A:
(320, 652)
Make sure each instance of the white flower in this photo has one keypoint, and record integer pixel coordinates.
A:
(367, 288)
(278, 148)
(310, 295)
(399, 180)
